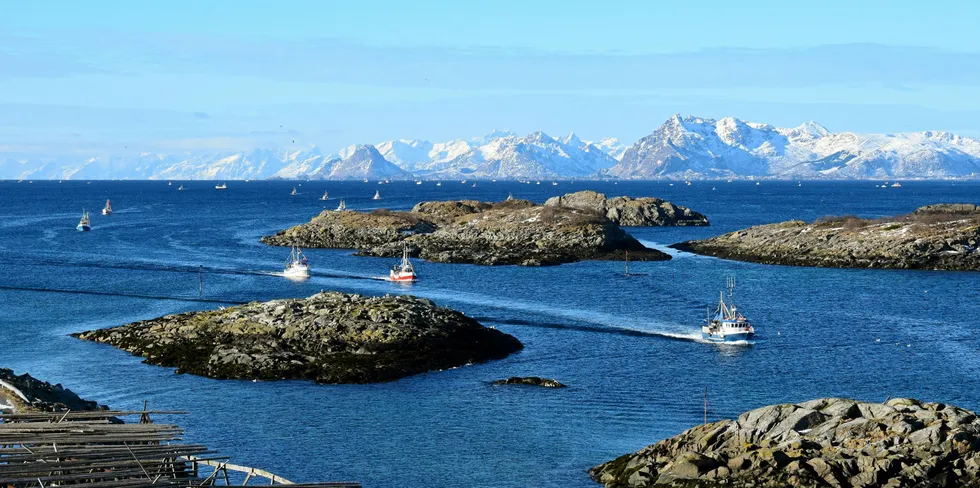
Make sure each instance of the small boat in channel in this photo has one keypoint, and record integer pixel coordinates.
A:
(293, 192)
(377, 196)
(296, 266)
(341, 207)
(727, 324)
(85, 224)
(325, 197)
(403, 271)
(107, 210)
(221, 187)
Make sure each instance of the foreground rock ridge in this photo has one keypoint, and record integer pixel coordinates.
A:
(824, 442)
(943, 236)
(575, 227)
(329, 337)
(24, 393)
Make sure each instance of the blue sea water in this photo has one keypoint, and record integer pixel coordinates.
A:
(625, 345)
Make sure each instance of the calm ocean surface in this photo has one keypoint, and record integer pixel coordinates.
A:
(623, 344)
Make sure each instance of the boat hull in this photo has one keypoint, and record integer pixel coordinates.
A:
(402, 277)
(83, 228)
(297, 272)
(732, 337)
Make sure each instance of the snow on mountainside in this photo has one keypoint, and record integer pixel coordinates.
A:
(683, 147)
(694, 147)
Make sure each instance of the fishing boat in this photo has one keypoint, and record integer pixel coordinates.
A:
(438, 183)
(325, 197)
(419, 182)
(377, 196)
(727, 324)
(221, 187)
(554, 183)
(510, 196)
(170, 183)
(180, 188)
(896, 185)
(107, 210)
(296, 266)
(293, 192)
(85, 224)
(403, 271)
(341, 207)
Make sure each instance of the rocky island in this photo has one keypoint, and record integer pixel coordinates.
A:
(530, 381)
(944, 236)
(575, 227)
(825, 442)
(328, 338)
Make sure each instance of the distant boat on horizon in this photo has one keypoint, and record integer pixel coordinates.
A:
(180, 188)
(377, 196)
(325, 197)
(341, 207)
(107, 210)
(221, 187)
(293, 192)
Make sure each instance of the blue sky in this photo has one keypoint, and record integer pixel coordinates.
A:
(173, 75)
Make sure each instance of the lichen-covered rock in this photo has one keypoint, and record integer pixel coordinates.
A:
(824, 442)
(945, 236)
(629, 211)
(24, 393)
(530, 381)
(468, 231)
(329, 338)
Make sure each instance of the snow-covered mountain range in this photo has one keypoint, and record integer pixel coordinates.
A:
(694, 147)
(683, 147)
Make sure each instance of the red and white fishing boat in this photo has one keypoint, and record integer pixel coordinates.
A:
(403, 271)
(107, 210)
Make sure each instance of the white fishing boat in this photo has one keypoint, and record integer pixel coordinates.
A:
(180, 188)
(221, 187)
(170, 183)
(510, 196)
(438, 183)
(107, 210)
(419, 182)
(293, 192)
(896, 185)
(85, 224)
(377, 196)
(325, 197)
(296, 266)
(403, 271)
(341, 207)
(727, 324)
(554, 183)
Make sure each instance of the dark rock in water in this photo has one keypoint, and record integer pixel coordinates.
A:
(329, 338)
(468, 231)
(945, 236)
(825, 442)
(39, 395)
(531, 381)
(629, 211)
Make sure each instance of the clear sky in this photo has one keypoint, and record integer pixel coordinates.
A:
(229, 74)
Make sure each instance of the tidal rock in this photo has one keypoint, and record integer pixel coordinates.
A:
(629, 211)
(945, 236)
(530, 381)
(329, 338)
(824, 442)
(24, 393)
(467, 231)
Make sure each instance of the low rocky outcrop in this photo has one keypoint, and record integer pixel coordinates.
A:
(468, 231)
(24, 393)
(826, 442)
(943, 236)
(629, 211)
(530, 381)
(329, 338)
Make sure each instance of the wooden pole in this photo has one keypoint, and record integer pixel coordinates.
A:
(200, 287)
(706, 405)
